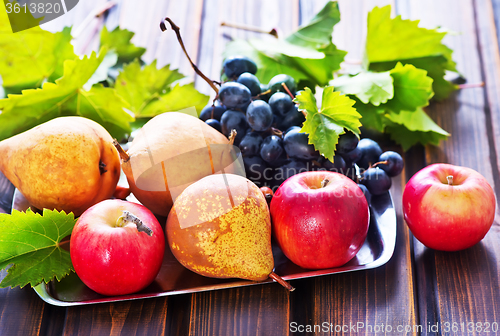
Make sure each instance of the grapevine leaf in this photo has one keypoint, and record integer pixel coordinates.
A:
(317, 33)
(119, 41)
(325, 125)
(32, 56)
(150, 91)
(307, 55)
(368, 87)
(66, 97)
(373, 117)
(395, 40)
(268, 67)
(412, 88)
(410, 128)
(30, 242)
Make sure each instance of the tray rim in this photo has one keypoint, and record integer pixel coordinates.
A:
(384, 215)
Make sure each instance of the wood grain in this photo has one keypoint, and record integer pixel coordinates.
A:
(462, 287)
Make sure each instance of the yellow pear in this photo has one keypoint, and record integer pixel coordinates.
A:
(170, 152)
(67, 163)
(220, 227)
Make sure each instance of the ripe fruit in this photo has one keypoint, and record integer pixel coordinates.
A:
(111, 253)
(155, 164)
(220, 227)
(320, 219)
(448, 207)
(67, 163)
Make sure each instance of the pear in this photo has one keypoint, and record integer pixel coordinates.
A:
(67, 163)
(220, 227)
(170, 152)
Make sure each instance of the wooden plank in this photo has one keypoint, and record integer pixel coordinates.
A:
(363, 302)
(462, 287)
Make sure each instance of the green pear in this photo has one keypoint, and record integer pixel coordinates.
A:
(67, 163)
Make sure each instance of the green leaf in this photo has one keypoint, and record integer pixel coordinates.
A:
(369, 87)
(412, 88)
(372, 117)
(119, 41)
(307, 55)
(317, 33)
(150, 91)
(326, 124)
(268, 67)
(67, 97)
(30, 243)
(396, 40)
(32, 56)
(410, 128)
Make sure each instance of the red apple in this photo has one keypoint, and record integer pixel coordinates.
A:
(448, 207)
(117, 247)
(320, 219)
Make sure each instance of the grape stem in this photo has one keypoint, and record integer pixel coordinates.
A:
(232, 136)
(288, 90)
(123, 155)
(272, 32)
(470, 85)
(282, 282)
(177, 31)
(379, 163)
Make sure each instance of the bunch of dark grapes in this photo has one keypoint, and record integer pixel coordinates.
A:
(268, 123)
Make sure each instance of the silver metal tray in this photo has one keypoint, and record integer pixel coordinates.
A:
(174, 279)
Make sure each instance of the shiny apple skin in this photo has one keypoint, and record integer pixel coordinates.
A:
(116, 260)
(319, 227)
(444, 217)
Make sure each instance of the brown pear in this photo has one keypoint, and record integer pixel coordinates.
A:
(220, 227)
(67, 163)
(170, 152)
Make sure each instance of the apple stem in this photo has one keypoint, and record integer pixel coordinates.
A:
(325, 182)
(282, 282)
(450, 180)
(123, 155)
(128, 217)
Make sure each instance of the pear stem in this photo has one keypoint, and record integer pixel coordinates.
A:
(123, 155)
(282, 282)
(450, 180)
(128, 217)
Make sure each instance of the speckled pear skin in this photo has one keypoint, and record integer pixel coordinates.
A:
(67, 163)
(222, 236)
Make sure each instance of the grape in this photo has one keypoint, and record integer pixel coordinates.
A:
(259, 115)
(352, 156)
(255, 169)
(280, 103)
(376, 181)
(275, 84)
(290, 168)
(347, 142)
(250, 81)
(214, 123)
(292, 118)
(370, 152)
(393, 163)
(271, 149)
(367, 194)
(250, 144)
(206, 113)
(234, 66)
(338, 165)
(234, 95)
(234, 120)
(297, 145)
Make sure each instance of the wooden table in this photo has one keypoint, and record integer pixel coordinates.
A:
(418, 291)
